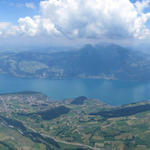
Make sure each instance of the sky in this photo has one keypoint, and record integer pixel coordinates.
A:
(73, 22)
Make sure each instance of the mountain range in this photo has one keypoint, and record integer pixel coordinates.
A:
(92, 61)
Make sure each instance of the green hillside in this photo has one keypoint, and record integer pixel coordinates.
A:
(29, 120)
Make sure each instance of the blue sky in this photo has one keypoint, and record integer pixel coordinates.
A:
(11, 10)
(44, 22)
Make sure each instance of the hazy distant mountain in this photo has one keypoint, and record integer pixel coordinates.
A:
(99, 61)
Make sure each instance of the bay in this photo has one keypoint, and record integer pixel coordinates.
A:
(114, 92)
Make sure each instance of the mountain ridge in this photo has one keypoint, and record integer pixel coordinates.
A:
(100, 61)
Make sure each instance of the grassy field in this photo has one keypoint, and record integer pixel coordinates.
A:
(31, 121)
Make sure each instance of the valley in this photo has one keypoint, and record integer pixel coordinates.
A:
(71, 124)
(74, 75)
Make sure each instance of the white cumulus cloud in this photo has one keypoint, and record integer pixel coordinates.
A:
(97, 18)
(90, 19)
(37, 26)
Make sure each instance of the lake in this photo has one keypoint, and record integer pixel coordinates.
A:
(111, 92)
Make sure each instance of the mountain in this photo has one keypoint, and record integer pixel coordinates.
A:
(71, 124)
(99, 61)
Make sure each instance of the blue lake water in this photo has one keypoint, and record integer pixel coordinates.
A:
(112, 92)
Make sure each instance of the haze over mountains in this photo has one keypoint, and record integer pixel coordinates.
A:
(107, 61)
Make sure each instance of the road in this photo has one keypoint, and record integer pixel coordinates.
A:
(64, 142)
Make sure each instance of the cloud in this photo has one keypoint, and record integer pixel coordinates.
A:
(90, 19)
(8, 29)
(141, 5)
(4, 27)
(30, 5)
(37, 26)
